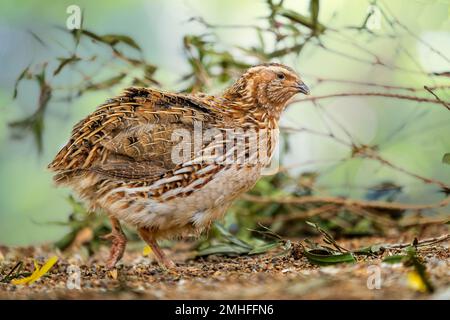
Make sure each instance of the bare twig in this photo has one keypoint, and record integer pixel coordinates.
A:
(300, 215)
(430, 90)
(422, 221)
(315, 132)
(422, 243)
(412, 34)
(371, 154)
(370, 94)
(378, 85)
(347, 202)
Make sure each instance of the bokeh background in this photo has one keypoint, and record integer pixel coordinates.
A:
(412, 135)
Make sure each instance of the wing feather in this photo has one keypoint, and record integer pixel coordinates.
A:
(130, 137)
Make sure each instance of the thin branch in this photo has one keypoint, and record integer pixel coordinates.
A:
(430, 90)
(346, 202)
(369, 94)
(318, 133)
(378, 85)
(371, 154)
(412, 34)
(422, 243)
(422, 221)
(299, 215)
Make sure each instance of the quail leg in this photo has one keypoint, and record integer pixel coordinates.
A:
(119, 242)
(159, 254)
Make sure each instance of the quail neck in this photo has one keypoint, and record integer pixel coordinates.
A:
(263, 91)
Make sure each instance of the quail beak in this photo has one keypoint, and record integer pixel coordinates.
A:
(303, 88)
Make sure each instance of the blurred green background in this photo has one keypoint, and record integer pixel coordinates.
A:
(412, 135)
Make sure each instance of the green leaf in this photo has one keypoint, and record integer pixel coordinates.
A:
(35, 122)
(112, 39)
(64, 62)
(301, 19)
(411, 251)
(232, 238)
(108, 83)
(398, 258)
(446, 158)
(327, 238)
(322, 257)
(235, 246)
(264, 248)
(22, 75)
(223, 249)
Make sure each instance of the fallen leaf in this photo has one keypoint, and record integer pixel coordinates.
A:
(38, 272)
(113, 274)
(231, 238)
(223, 249)
(264, 248)
(320, 257)
(147, 251)
(398, 258)
(415, 282)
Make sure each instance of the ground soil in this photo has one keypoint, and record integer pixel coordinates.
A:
(265, 276)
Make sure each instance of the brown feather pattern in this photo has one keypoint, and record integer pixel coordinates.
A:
(120, 157)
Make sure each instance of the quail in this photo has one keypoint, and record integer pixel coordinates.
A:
(170, 164)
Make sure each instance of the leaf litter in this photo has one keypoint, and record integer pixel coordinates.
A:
(272, 267)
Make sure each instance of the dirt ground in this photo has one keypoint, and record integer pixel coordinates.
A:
(265, 276)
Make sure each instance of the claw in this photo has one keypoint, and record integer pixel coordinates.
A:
(119, 242)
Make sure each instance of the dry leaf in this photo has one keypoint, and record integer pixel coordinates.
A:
(147, 251)
(416, 282)
(113, 274)
(38, 272)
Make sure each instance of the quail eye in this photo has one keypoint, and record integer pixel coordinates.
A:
(280, 76)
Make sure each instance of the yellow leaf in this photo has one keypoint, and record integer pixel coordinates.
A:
(21, 281)
(38, 272)
(113, 274)
(147, 251)
(45, 268)
(416, 282)
(29, 278)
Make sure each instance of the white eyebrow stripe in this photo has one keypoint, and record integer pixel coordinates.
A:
(277, 69)
(273, 68)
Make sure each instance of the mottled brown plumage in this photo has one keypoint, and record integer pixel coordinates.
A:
(127, 157)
